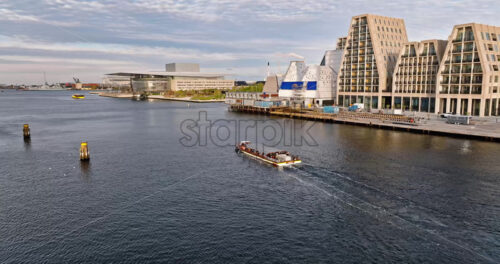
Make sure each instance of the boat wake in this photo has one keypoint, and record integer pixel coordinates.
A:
(385, 207)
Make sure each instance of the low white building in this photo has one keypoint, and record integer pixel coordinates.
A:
(176, 77)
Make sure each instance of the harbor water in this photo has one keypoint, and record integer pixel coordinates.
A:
(361, 195)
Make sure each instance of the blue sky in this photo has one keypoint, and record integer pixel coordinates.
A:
(88, 38)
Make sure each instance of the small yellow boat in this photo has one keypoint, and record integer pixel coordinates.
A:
(78, 96)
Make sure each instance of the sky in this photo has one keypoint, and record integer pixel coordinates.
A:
(89, 38)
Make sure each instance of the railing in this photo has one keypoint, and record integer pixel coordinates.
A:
(469, 49)
(476, 90)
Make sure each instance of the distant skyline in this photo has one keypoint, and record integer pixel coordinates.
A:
(86, 39)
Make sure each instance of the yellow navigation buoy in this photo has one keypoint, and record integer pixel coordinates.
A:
(26, 131)
(84, 151)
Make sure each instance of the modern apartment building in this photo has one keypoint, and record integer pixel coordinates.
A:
(372, 47)
(469, 77)
(414, 80)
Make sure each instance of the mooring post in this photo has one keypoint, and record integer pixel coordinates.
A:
(26, 131)
(84, 151)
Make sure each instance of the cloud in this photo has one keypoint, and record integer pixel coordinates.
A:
(290, 55)
(81, 6)
(47, 59)
(261, 44)
(239, 34)
(120, 49)
(211, 11)
(11, 15)
(6, 14)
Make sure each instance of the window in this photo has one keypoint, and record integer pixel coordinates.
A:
(382, 43)
(492, 57)
(498, 57)
(488, 36)
(378, 28)
(495, 67)
(496, 47)
(482, 35)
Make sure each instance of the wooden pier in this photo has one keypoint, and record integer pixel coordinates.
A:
(382, 121)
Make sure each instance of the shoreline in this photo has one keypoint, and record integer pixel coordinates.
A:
(479, 131)
(160, 97)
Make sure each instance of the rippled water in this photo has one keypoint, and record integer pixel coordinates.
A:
(363, 195)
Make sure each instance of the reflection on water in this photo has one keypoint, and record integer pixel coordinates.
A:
(85, 168)
(27, 143)
(466, 147)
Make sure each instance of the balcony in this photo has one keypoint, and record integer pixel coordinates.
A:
(454, 90)
(469, 49)
(477, 81)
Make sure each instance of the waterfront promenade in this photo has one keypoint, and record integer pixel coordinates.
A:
(481, 128)
(161, 97)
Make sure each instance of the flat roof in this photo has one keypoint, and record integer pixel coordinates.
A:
(167, 74)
